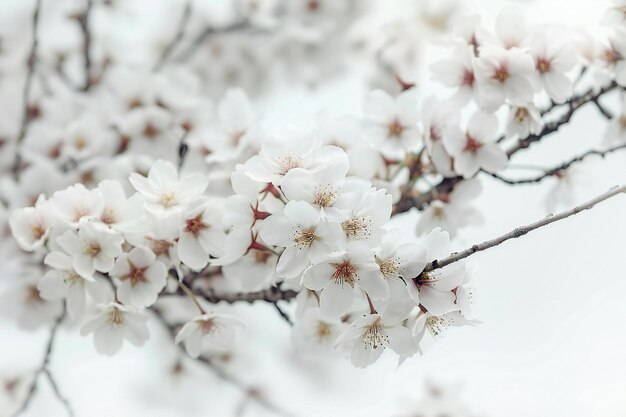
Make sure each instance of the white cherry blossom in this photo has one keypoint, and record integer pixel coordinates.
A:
(31, 225)
(77, 202)
(340, 275)
(208, 331)
(436, 287)
(504, 75)
(369, 336)
(393, 122)
(476, 148)
(162, 189)
(452, 211)
(305, 237)
(92, 248)
(553, 59)
(523, 121)
(63, 282)
(201, 234)
(139, 277)
(114, 324)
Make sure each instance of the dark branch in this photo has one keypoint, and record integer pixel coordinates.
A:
(83, 21)
(195, 44)
(573, 105)
(30, 71)
(270, 295)
(522, 230)
(559, 169)
(44, 369)
(178, 37)
(410, 199)
(251, 392)
(282, 313)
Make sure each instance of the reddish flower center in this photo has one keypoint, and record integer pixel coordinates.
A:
(160, 246)
(521, 114)
(611, 56)
(195, 225)
(38, 231)
(345, 272)
(150, 131)
(261, 257)
(395, 128)
(501, 74)
(435, 135)
(135, 275)
(468, 77)
(543, 65)
(471, 144)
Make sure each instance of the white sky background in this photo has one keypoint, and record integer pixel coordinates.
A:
(553, 336)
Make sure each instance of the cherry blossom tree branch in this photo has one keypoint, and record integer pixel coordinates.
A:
(522, 230)
(83, 21)
(573, 104)
(44, 369)
(603, 110)
(270, 295)
(420, 201)
(282, 313)
(195, 44)
(559, 169)
(30, 72)
(178, 37)
(250, 392)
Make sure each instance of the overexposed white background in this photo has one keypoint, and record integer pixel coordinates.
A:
(553, 332)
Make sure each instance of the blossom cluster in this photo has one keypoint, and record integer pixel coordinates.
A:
(144, 188)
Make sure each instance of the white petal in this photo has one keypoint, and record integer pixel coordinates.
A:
(336, 299)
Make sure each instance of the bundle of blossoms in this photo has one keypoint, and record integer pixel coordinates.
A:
(161, 194)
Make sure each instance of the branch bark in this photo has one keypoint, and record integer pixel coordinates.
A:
(83, 21)
(250, 392)
(30, 71)
(522, 230)
(410, 199)
(44, 369)
(270, 295)
(178, 37)
(557, 170)
(207, 33)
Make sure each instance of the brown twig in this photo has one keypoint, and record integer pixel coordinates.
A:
(559, 169)
(250, 392)
(83, 22)
(44, 369)
(30, 71)
(195, 44)
(270, 295)
(573, 105)
(178, 37)
(522, 230)
(410, 198)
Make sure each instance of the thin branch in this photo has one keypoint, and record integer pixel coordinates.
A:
(250, 392)
(522, 230)
(420, 201)
(183, 149)
(178, 37)
(44, 369)
(603, 110)
(30, 71)
(270, 295)
(559, 169)
(83, 21)
(574, 104)
(282, 313)
(55, 388)
(195, 44)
